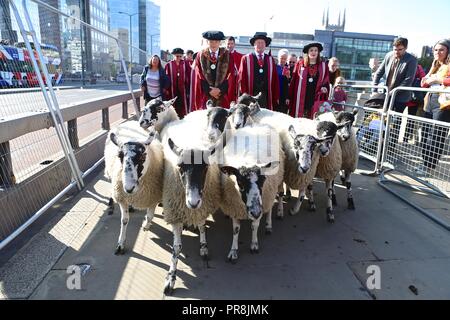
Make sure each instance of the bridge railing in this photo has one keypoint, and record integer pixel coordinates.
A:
(51, 139)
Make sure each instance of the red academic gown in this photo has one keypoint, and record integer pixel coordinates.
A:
(297, 88)
(233, 83)
(184, 71)
(246, 76)
(202, 75)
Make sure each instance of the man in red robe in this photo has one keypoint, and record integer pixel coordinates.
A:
(213, 68)
(179, 73)
(237, 57)
(258, 73)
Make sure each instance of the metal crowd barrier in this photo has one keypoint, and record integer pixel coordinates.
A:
(419, 149)
(369, 123)
(50, 143)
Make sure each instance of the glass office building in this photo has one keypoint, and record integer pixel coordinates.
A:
(354, 50)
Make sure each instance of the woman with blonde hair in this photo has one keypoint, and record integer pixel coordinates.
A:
(437, 77)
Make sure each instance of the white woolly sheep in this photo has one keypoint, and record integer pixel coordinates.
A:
(253, 165)
(329, 166)
(349, 146)
(134, 163)
(191, 186)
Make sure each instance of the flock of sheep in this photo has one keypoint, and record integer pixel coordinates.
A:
(235, 160)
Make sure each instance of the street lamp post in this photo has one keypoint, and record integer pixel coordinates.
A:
(151, 43)
(131, 36)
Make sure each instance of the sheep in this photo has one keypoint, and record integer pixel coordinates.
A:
(213, 120)
(329, 166)
(349, 146)
(158, 113)
(134, 164)
(253, 169)
(191, 189)
(305, 144)
(303, 151)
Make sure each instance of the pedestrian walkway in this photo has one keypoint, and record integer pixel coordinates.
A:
(304, 258)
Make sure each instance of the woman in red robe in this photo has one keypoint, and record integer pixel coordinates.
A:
(310, 82)
(212, 72)
(179, 72)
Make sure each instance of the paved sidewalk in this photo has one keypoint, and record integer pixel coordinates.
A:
(304, 258)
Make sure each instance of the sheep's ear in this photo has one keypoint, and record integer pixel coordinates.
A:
(151, 136)
(174, 148)
(229, 170)
(115, 139)
(170, 102)
(270, 165)
(209, 104)
(355, 111)
(257, 96)
(254, 107)
(319, 140)
(292, 132)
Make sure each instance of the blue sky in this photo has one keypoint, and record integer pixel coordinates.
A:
(423, 22)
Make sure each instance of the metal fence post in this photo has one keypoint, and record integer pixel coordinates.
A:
(6, 170)
(72, 128)
(125, 110)
(105, 119)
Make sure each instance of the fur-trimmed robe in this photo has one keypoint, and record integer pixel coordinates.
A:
(202, 74)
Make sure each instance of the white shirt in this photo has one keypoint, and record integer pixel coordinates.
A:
(257, 55)
(216, 52)
(153, 87)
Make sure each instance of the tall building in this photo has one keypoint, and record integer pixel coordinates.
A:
(122, 20)
(149, 29)
(7, 33)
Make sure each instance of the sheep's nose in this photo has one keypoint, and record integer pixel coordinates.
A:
(303, 169)
(129, 190)
(193, 205)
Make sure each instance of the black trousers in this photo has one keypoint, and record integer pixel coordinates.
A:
(433, 137)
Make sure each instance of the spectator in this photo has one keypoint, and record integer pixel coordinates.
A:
(284, 75)
(213, 68)
(435, 108)
(333, 68)
(189, 57)
(339, 96)
(237, 56)
(399, 68)
(415, 103)
(179, 72)
(292, 62)
(309, 82)
(258, 72)
(374, 63)
(154, 81)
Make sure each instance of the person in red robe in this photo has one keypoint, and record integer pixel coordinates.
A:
(258, 73)
(309, 83)
(213, 67)
(179, 72)
(237, 57)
